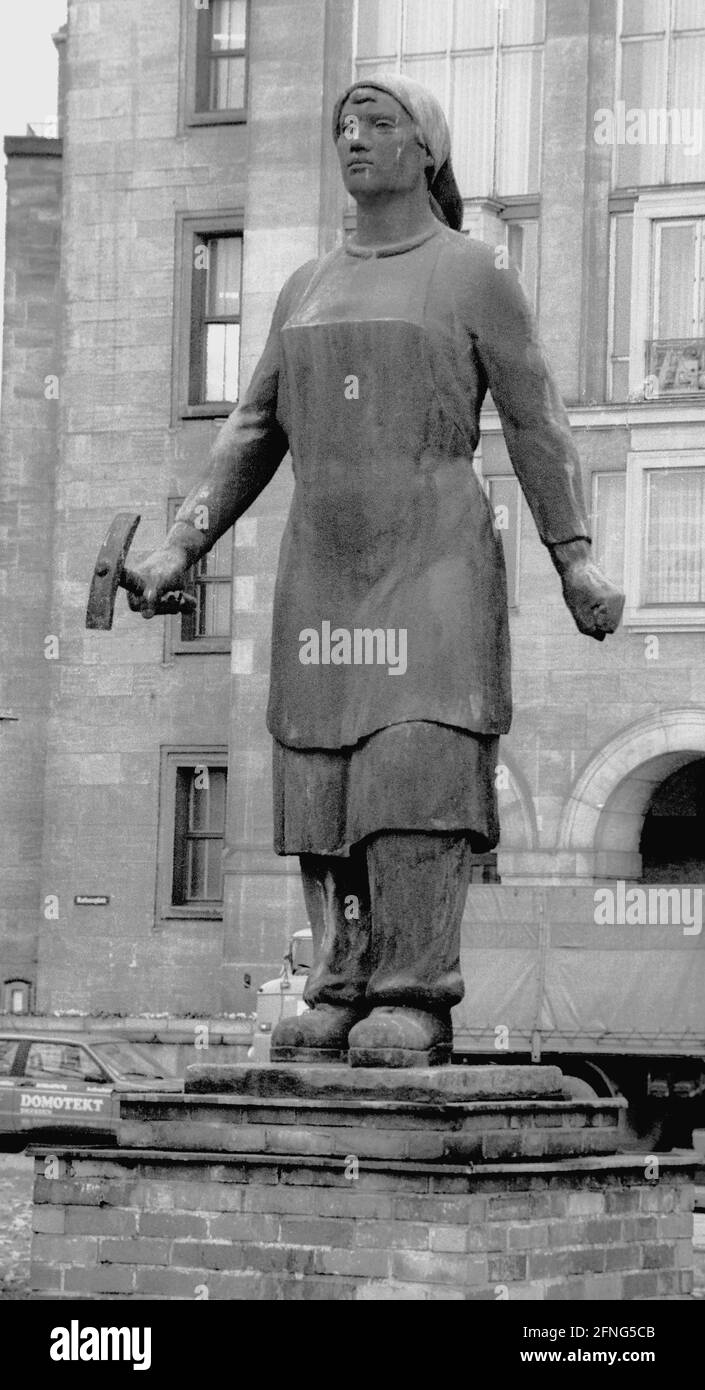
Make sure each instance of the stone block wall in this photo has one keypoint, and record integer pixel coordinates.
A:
(151, 1225)
(132, 168)
(28, 457)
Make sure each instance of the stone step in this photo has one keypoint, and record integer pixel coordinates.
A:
(449, 1083)
(468, 1131)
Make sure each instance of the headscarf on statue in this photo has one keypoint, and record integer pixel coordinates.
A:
(427, 113)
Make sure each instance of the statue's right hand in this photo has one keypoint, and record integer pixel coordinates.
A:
(162, 573)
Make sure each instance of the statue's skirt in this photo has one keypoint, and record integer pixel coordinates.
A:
(412, 776)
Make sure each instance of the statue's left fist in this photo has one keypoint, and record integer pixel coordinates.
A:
(596, 603)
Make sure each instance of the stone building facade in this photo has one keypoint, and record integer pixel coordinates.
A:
(194, 172)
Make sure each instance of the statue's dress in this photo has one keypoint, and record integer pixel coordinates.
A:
(374, 374)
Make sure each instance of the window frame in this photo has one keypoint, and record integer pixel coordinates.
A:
(175, 644)
(190, 227)
(89, 1065)
(657, 269)
(8, 988)
(194, 55)
(395, 64)
(618, 211)
(666, 38)
(599, 471)
(13, 1069)
(172, 758)
(663, 617)
(525, 212)
(649, 209)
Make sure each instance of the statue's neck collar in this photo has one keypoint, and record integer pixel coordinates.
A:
(392, 248)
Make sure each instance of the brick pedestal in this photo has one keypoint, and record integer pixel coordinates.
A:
(328, 1183)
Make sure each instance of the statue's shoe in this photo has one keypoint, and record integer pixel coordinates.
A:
(319, 1035)
(401, 1037)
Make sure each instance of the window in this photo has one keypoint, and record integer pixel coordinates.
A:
(16, 997)
(191, 834)
(667, 306)
(484, 61)
(676, 348)
(207, 629)
(8, 1052)
(199, 827)
(215, 320)
(128, 1060)
(661, 91)
(665, 540)
(674, 539)
(66, 1060)
(207, 331)
(218, 33)
(505, 500)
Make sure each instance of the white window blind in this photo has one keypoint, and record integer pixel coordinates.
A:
(215, 311)
(665, 540)
(673, 569)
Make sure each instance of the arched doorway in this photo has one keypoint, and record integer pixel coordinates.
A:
(636, 814)
(672, 843)
(604, 816)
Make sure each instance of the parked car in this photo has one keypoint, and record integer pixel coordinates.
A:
(53, 1085)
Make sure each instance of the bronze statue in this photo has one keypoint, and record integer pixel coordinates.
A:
(390, 680)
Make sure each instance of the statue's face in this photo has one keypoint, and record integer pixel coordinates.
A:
(378, 146)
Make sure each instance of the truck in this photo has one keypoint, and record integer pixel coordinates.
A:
(619, 1006)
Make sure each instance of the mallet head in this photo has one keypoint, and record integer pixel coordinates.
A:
(108, 571)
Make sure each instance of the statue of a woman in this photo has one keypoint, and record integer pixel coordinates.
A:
(390, 679)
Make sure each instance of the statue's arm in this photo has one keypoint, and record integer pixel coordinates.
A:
(543, 455)
(246, 454)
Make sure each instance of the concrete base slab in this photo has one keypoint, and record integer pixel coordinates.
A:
(447, 1083)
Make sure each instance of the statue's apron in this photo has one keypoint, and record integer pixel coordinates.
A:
(390, 652)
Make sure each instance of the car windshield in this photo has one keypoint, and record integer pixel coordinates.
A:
(129, 1060)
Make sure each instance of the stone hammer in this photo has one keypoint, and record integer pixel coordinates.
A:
(109, 575)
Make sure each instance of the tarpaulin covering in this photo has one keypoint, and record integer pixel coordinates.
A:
(535, 961)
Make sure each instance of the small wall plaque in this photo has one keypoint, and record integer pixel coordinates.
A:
(91, 900)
